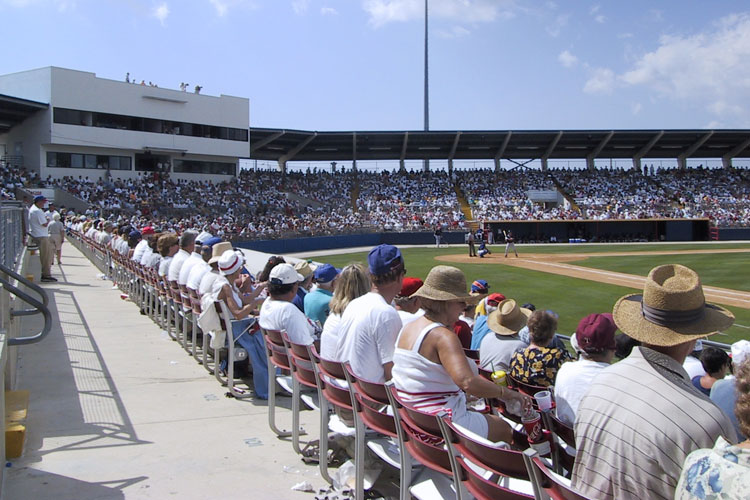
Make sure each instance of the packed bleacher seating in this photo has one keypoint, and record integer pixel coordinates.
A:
(264, 204)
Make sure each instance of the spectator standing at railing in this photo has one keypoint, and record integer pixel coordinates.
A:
(38, 231)
(56, 232)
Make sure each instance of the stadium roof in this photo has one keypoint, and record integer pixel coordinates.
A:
(301, 145)
(14, 110)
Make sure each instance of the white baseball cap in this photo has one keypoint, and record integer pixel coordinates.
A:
(284, 274)
(230, 262)
(740, 352)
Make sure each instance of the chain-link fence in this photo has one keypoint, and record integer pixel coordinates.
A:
(12, 229)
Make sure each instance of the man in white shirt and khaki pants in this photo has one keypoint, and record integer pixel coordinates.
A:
(38, 231)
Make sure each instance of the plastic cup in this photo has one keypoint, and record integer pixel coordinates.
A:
(532, 422)
(544, 400)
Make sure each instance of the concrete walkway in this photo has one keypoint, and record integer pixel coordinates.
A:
(118, 410)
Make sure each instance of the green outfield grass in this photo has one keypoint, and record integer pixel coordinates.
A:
(574, 298)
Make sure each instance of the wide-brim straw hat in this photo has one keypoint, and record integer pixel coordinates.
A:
(508, 318)
(444, 283)
(671, 310)
(218, 250)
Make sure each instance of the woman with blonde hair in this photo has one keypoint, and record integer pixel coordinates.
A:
(353, 282)
(431, 371)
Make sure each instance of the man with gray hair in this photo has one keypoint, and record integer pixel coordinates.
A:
(187, 246)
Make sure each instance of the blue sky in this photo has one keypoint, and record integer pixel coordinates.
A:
(357, 64)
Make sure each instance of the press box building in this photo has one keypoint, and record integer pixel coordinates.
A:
(84, 125)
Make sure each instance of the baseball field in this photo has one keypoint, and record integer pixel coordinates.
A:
(576, 280)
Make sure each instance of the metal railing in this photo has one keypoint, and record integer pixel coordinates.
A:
(12, 230)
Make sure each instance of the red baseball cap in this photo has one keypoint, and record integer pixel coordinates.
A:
(596, 333)
(409, 286)
(494, 299)
(147, 230)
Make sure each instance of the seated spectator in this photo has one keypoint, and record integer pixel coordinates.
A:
(595, 340)
(200, 269)
(724, 392)
(499, 345)
(142, 244)
(692, 364)
(407, 304)
(306, 271)
(370, 324)
(230, 265)
(538, 363)
(272, 262)
(430, 370)
(208, 279)
(724, 471)
(485, 307)
(642, 416)
(353, 282)
(187, 246)
(715, 363)
(625, 344)
(317, 301)
(167, 245)
(278, 312)
(525, 336)
(194, 259)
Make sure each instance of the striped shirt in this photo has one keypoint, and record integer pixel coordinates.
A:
(637, 423)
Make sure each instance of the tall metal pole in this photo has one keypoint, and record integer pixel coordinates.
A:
(426, 165)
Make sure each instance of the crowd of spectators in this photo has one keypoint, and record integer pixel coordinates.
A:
(263, 204)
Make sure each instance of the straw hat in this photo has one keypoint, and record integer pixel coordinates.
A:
(444, 283)
(508, 318)
(218, 250)
(671, 310)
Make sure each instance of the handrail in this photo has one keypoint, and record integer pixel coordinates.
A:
(29, 284)
(706, 342)
(42, 308)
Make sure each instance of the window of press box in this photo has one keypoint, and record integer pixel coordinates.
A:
(78, 160)
(141, 124)
(204, 167)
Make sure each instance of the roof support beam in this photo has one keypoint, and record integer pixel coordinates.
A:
(293, 152)
(551, 149)
(265, 142)
(682, 159)
(354, 151)
(598, 149)
(401, 164)
(726, 160)
(453, 151)
(501, 150)
(645, 149)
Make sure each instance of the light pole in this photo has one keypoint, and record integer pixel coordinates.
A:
(426, 164)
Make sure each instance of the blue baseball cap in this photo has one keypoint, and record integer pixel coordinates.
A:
(135, 234)
(326, 273)
(210, 242)
(384, 258)
(39, 197)
(480, 286)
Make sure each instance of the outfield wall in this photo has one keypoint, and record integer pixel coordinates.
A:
(524, 231)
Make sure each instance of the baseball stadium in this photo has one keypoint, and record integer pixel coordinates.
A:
(194, 305)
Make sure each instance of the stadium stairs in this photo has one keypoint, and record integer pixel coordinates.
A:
(355, 195)
(465, 207)
(564, 193)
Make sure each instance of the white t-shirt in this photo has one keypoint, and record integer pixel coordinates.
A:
(283, 315)
(207, 281)
(367, 336)
(196, 274)
(693, 367)
(188, 266)
(330, 336)
(164, 266)
(572, 383)
(177, 261)
(146, 256)
(37, 222)
(407, 317)
(140, 248)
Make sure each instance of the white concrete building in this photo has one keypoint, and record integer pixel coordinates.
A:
(93, 125)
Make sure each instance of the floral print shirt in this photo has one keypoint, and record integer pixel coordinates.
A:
(537, 366)
(722, 473)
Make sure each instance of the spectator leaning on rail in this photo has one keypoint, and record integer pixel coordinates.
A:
(370, 324)
(724, 471)
(316, 302)
(642, 416)
(38, 231)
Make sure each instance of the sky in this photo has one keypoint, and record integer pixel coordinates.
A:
(358, 64)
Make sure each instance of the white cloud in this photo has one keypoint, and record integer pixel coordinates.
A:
(161, 12)
(636, 108)
(454, 32)
(594, 9)
(567, 59)
(221, 7)
(708, 67)
(602, 81)
(601, 19)
(60, 5)
(328, 11)
(300, 6)
(557, 25)
(382, 12)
